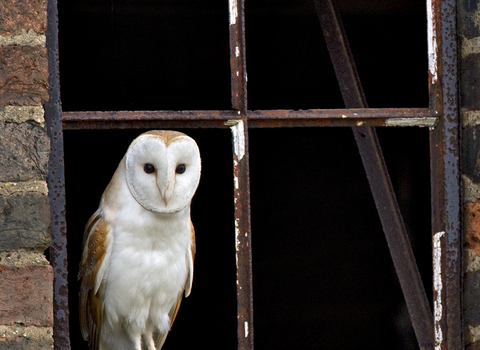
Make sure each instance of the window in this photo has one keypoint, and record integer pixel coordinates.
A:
(302, 266)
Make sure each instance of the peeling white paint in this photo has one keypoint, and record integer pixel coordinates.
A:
(245, 328)
(237, 51)
(432, 42)
(235, 180)
(233, 11)
(429, 122)
(437, 286)
(237, 235)
(238, 132)
(237, 242)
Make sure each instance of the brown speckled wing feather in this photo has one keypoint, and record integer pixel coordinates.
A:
(95, 243)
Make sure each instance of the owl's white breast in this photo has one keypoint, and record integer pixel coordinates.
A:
(148, 263)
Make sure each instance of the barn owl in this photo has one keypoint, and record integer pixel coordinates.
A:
(139, 245)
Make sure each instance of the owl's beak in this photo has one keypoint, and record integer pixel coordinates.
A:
(165, 200)
(166, 190)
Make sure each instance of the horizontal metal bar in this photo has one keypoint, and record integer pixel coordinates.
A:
(343, 113)
(420, 117)
(147, 119)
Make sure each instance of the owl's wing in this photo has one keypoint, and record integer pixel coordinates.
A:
(190, 258)
(188, 288)
(93, 264)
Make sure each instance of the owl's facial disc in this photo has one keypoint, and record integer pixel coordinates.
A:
(163, 176)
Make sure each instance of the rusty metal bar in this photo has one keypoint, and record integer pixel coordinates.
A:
(243, 241)
(237, 55)
(445, 175)
(377, 174)
(242, 236)
(56, 188)
(420, 117)
(147, 119)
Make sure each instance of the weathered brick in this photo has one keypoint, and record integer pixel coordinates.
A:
(20, 337)
(26, 295)
(23, 14)
(24, 151)
(471, 298)
(470, 82)
(468, 18)
(22, 114)
(472, 225)
(22, 257)
(474, 346)
(471, 153)
(23, 75)
(25, 221)
(25, 38)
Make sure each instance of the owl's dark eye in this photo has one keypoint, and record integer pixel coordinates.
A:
(180, 169)
(148, 168)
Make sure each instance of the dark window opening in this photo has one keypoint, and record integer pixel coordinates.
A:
(322, 271)
(144, 55)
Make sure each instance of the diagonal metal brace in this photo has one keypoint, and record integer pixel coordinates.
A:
(378, 177)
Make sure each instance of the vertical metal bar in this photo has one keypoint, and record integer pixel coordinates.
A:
(445, 178)
(237, 55)
(56, 187)
(241, 176)
(242, 237)
(377, 174)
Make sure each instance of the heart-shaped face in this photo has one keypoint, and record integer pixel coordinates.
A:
(163, 170)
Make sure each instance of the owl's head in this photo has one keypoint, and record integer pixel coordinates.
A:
(163, 170)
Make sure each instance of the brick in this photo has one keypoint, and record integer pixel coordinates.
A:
(474, 346)
(22, 257)
(22, 114)
(471, 297)
(9, 188)
(25, 221)
(471, 261)
(23, 75)
(25, 38)
(24, 152)
(26, 295)
(468, 18)
(26, 338)
(472, 225)
(23, 14)
(471, 153)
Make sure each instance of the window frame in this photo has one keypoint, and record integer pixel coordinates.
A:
(441, 117)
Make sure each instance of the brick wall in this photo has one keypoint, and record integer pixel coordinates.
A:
(469, 82)
(26, 278)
